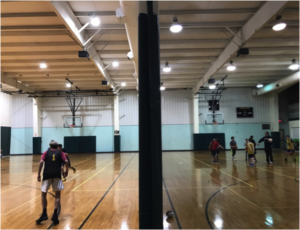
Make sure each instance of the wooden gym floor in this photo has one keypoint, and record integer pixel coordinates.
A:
(204, 195)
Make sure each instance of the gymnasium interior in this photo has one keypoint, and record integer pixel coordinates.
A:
(136, 91)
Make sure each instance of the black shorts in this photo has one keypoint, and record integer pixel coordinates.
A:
(214, 153)
(250, 155)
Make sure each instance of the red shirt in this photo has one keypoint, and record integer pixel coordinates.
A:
(63, 155)
(215, 145)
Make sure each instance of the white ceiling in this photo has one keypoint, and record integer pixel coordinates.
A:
(190, 53)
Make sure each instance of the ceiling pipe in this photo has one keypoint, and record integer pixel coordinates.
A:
(131, 10)
(285, 82)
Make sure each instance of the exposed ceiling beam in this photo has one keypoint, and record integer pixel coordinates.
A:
(34, 27)
(184, 12)
(28, 15)
(49, 68)
(34, 33)
(42, 53)
(50, 73)
(64, 11)
(38, 44)
(28, 61)
(164, 51)
(5, 78)
(125, 42)
(257, 21)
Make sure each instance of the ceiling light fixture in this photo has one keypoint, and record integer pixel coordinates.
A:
(95, 21)
(43, 65)
(294, 65)
(175, 27)
(68, 85)
(129, 55)
(279, 25)
(115, 64)
(231, 67)
(167, 68)
(259, 85)
(123, 84)
(212, 86)
(162, 86)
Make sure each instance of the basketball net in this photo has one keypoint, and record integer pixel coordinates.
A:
(72, 126)
(215, 123)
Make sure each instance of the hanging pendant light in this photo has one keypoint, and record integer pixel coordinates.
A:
(259, 85)
(280, 25)
(231, 67)
(167, 68)
(175, 27)
(294, 65)
(162, 86)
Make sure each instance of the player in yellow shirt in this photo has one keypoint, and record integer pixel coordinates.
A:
(250, 151)
(290, 149)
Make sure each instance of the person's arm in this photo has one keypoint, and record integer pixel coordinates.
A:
(41, 165)
(64, 158)
(221, 146)
(261, 140)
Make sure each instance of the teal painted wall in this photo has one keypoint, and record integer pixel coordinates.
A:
(239, 131)
(174, 137)
(105, 134)
(129, 137)
(177, 137)
(21, 141)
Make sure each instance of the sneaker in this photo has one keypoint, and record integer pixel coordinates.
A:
(74, 169)
(266, 161)
(64, 179)
(42, 218)
(271, 162)
(285, 159)
(55, 219)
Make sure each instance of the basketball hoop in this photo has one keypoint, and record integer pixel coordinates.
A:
(215, 123)
(72, 126)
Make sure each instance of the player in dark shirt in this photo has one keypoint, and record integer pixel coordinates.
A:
(267, 139)
(67, 155)
(52, 160)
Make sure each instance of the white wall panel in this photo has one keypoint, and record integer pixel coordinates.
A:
(129, 108)
(22, 112)
(95, 111)
(176, 106)
(5, 109)
(238, 97)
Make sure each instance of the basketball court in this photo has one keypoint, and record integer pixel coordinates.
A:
(135, 92)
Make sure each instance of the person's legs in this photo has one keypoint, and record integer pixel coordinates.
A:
(271, 155)
(74, 169)
(57, 186)
(233, 151)
(267, 156)
(286, 155)
(44, 188)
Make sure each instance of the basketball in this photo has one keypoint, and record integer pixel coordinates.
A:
(170, 214)
(270, 140)
(235, 147)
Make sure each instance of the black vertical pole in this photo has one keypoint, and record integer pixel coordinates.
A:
(150, 157)
(73, 111)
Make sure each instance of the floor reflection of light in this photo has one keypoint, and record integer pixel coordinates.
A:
(269, 220)
(124, 226)
(218, 222)
(166, 224)
(67, 227)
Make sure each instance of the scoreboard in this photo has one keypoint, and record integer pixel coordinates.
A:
(244, 112)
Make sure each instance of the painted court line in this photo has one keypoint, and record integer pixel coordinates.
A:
(18, 186)
(173, 208)
(86, 219)
(94, 174)
(218, 170)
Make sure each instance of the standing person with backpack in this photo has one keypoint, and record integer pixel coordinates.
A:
(290, 149)
(267, 139)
